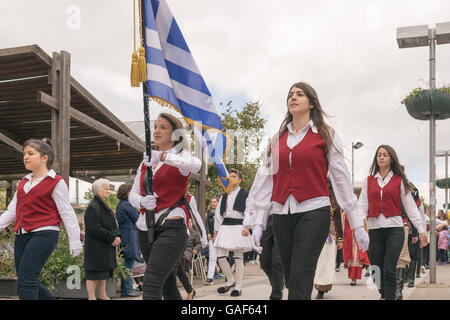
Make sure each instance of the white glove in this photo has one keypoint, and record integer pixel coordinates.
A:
(255, 247)
(155, 158)
(75, 252)
(149, 201)
(362, 238)
(75, 248)
(257, 234)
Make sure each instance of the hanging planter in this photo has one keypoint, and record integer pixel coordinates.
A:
(419, 103)
(443, 183)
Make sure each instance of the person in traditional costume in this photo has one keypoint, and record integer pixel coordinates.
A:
(295, 190)
(171, 165)
(382, 194)
(231, 235)
(38, 207)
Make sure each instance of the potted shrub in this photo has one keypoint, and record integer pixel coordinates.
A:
(420, 102)
(8, 279)
(64, 275)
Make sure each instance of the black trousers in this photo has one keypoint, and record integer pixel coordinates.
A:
(271, 261)
(300, 238)
(182, 276)
(384, 250)
(162, 258)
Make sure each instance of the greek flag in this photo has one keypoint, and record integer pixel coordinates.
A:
(174, 80)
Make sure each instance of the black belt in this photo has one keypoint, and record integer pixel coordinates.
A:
(232, 222)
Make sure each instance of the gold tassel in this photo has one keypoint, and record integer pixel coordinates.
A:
(134, 70)
(134, 75)
(142, 65)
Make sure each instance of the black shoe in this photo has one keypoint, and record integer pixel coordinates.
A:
(320, 295)
(236, 293)
(225, 289)
(209, 282)
(132, 294)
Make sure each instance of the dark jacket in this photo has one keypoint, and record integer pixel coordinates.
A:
(210, 223)
(127, 215)
(101, 230)
(192, 243)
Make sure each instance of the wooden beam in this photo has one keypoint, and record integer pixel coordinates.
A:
(44, 98)
(98, 173)
(102, 109)
(17, 147)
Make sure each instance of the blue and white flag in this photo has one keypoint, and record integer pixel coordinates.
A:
(174, 79)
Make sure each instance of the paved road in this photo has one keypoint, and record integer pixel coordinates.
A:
(256, 287)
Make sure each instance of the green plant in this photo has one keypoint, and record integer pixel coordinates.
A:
(417, 91)
(413, 94)
(55, 270)
(7, 266)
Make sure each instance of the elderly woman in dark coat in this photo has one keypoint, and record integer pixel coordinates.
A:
(127, 215)
(102, 239)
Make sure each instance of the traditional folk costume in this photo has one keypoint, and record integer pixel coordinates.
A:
(170, 182)
(325, 271)
(295, 191)
(37, 209)
(229, 225)
(381, 201)
(355, 260)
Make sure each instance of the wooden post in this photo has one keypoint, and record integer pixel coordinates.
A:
(53, 79)
(9, 192)
(64, 115)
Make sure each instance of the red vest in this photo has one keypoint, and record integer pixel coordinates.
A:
(306, 178)
(168, 183)
(390, 204)
(37, 208)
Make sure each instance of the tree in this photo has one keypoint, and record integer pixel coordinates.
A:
(244, 128)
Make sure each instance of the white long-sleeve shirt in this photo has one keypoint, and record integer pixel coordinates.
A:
(186, 164)
(381, 221)
(259, 200)
(229, 211)
(62, 200)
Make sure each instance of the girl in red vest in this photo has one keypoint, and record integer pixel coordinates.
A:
(382, 194)
(295, 191)
(172, 165)
(40, 204)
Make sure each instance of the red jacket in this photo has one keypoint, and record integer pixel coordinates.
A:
(306, 178)
(168, 183)
(390, 203)
(37, 208)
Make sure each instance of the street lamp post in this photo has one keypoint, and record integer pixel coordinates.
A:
(356, 145)
(422, 36)
(445, 154)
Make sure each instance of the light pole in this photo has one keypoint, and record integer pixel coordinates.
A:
(422, 36)
(445, 154)
(355, 145)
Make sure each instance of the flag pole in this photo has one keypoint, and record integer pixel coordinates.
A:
(149, 214)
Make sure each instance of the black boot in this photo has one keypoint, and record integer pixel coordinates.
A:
(400, 274)
(412, 273)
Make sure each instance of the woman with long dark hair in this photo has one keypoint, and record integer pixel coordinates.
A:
(172, 165)
(38, 207)
(382, 195)
(295, 189)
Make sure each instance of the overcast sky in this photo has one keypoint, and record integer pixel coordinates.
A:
(252, 50)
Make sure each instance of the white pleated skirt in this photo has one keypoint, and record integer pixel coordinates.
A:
(231, 238)
(325, 271)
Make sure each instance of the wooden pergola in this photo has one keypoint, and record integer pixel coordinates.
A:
(39, 98)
